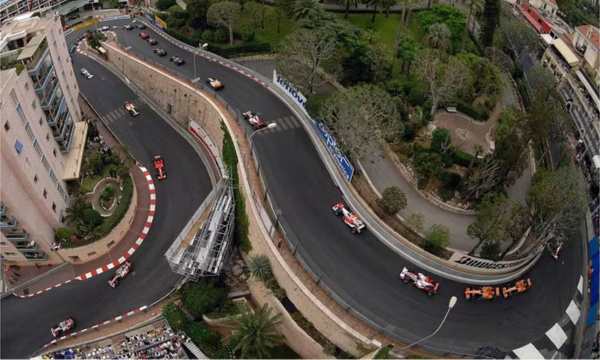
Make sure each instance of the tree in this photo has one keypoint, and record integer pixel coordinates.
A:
(202, 297)
(365, 63)
(225, 13)
(302, 54)
(440, 140)
(510, 145)
(74, 213)
(444, 78)
(416, 221)
(206, 339)
(453, 18)
(557, 201)
(475, 7)
(197, 10)
(256, 335)
(347, 5)
(428, 165)
(260, 268)
(362, 116)
(309, 13)
(437, 238)
(375, 4)
(163, 5)
(406, 52)
(517, 36)
(491, 20)
(392, 200)
(498, 220)
(438, 36)
(175, 317)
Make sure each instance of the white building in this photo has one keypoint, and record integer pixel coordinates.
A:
(42, 136)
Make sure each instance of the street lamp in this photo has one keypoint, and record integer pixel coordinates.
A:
(451, 304)
(269, 126)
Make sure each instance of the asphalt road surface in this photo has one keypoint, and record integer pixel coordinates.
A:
(26, 322)
(361, 270)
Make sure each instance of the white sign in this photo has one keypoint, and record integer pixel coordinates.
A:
(289, 88)
(467, 260)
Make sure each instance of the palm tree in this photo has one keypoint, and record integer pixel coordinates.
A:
(348, 4)
(75, 212)
(260, 268)
(438, 36)
(256, 335)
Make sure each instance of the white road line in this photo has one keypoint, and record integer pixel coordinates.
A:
(528, 351)
(557, 335)
(573, 312)
(580, 285)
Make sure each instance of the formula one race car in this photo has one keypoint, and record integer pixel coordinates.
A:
(519, 287)
(130, 108)
(121, 272)
(485, 292)
(354, 223)
(159, 165)
(177, 60)
(62, 327)
(214, 83)
(254, 120)
(420, 281)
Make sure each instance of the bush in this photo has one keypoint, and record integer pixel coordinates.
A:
(462, 158)
(208, 36)
(241, 49)
(91, 217)
(220, 36)
(202, 297)
(175, 317)
(450, 182)
(122, 207)
(491, 250)
(63, 236)
(392, 200)
(165, 4)
(260, 268)
(107, 194)
(207, 340)
(471, 111)
(440, 140)
(437, 239)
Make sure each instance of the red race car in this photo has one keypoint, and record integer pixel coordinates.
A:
(484, 292)
(121, 272)
(420, 281)
(63, 327)
(159, 165)
(354, 223)
(520, 287)
(254, 120)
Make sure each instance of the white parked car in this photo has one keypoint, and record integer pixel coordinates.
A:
(86, 73)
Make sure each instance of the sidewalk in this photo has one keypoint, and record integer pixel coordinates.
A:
(35, 280)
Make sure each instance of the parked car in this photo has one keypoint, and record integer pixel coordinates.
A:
(160, 52)
(141, 26)
(152, 41)
(144, 35)
(128, 27)
(177, 60)
(105, 28)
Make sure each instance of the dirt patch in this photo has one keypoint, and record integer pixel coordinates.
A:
(467, 134)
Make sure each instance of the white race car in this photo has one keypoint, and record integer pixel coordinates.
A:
(62, 327)
(130, 108)
(254, 120)
(420, 281)
(354, 223)
(121, 272)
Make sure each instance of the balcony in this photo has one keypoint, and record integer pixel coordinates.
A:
(35, 50)
(26, 245)
(43, 77)
(64, 140)
(19, 235)
(56, 102)
(42, 69)
(34, 254)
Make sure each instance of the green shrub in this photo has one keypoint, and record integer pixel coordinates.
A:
(207, 340)
(240, 233)
(221, 36)
(107, 194)
(165, 4)
(437, 239)
(241, 49)
(260, 268)
(91, 218)
(208, 36)
(392, 200)
(440, 140)
(450, 182)
(462, 158)
(384, 352)
(202, 297)
(174, 316)
(471, 111)
(63, 236)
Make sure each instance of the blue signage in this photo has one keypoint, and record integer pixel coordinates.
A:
(341, 159)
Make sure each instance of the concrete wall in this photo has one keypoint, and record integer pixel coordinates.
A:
(181, 103)
(101, 247)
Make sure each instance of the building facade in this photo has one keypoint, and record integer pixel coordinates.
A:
(42, 137)
(12, 8)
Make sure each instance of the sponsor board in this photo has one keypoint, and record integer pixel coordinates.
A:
(472, 261)
(160, 22)
(334, 150)
(290, 89)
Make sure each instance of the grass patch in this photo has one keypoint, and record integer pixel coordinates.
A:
(88, 183)
(270, 34)
(230, 159)
(384, 28)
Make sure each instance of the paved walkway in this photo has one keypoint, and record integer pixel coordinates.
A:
(34, 279)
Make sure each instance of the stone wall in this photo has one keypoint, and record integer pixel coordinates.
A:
(182, 103)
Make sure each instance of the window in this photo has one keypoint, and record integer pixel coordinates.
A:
(26, 86)
(6, 126)
(53, 176)
(54, 152)
(40, 122)
(29, 132)
(9, 253)
(18, 146)
(45, 193)
(47, 136)
(34, 104)
(35, 178)
(37, 148)
(13, 96)
(21, 113)
(54, 207)
(45, 162)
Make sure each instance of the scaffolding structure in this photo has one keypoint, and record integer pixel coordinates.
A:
(205, 253)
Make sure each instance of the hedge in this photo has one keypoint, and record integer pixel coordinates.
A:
(225, 50)
(240, 232)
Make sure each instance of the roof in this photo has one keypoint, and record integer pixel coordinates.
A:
(32, 46)
(592, 33)
(535, 19)
(566, 52)
(67, 8)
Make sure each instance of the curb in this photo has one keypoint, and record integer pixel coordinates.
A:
(149, 220)
(96, 326)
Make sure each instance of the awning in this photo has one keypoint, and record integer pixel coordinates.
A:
(566, 52)
(589, 88)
